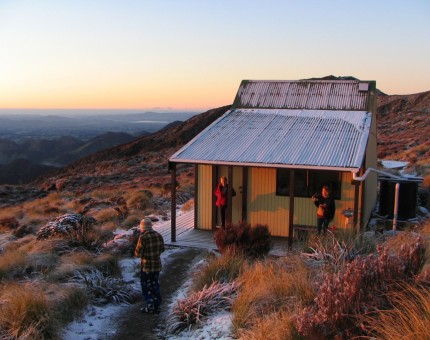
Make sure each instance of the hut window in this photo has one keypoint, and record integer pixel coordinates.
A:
(308, 182)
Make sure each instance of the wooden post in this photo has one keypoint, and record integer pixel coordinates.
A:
(196, 193)
(229, 194)
(244, 193)
(355, 213)
(173, 202)
(291, 216)
(213, 206)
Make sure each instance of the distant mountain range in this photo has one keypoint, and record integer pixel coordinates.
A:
(402, 120)
(35, 144)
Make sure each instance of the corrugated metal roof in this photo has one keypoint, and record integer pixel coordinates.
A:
(304, 94)
(282, 138)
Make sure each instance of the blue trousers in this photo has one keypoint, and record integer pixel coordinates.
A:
(151, 289)
(322, 224)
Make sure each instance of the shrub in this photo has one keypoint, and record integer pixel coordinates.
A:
(9, 223)
(356, 289)
(242, 238)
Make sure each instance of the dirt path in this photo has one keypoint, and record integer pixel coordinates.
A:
(135, 325)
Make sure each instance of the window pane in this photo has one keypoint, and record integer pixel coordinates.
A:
(308, 182)
(300, 183)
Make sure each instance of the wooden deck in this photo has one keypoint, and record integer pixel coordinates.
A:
(187, 236)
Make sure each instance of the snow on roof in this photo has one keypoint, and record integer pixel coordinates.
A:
(329, 139)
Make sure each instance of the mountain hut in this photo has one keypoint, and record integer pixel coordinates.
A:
(277, 145)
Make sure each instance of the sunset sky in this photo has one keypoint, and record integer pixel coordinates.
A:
(193, 54)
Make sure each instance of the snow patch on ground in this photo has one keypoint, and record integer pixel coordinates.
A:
(97, 322)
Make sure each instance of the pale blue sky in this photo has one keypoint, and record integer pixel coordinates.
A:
(194, 53)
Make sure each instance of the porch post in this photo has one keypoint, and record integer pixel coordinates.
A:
(230, 193)
(214, 208)
(355, 213)
(244, 193)
(173, 202)
(291, 215)
(196, 193)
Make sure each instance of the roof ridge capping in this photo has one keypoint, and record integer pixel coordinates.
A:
(341, 94)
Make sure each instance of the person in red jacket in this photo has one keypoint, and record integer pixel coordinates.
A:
(222, 198)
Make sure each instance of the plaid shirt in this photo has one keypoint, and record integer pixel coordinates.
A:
(149, 248)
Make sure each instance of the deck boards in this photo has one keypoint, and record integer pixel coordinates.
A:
(187, 236)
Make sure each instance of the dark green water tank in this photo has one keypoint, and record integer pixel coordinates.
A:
(407, 198)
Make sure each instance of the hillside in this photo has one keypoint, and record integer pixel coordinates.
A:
(403, 130)
(143, 160)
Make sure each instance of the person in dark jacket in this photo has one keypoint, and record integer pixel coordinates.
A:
(326, 208)
(221, 193)
(149, 248)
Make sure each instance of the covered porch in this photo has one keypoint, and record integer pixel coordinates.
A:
(187, 236)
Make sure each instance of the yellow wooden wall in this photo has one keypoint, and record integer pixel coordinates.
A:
(266, 208)
(204, 197)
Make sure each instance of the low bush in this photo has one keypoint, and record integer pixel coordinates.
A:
(242, 238)
(357, 289)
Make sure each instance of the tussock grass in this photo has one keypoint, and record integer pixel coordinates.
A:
(188, 206)
(131, 221)
(223, 269)
(107, 264)
(108, 228)
(139, 200)
(409, 317)
(331, 252)
(84, 262)
(105, 289)
(25, 313)
(53, 245)
(278, 325)
(197, 305)
(269, 287)
(106, 215)
(12, 264)
(69, 302)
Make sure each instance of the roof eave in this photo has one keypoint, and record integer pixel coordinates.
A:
(265, 165)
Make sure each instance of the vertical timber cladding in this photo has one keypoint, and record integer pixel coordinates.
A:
(264, 207)
(204, 197)
(237, 200)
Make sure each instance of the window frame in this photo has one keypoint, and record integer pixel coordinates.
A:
(308, 182)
